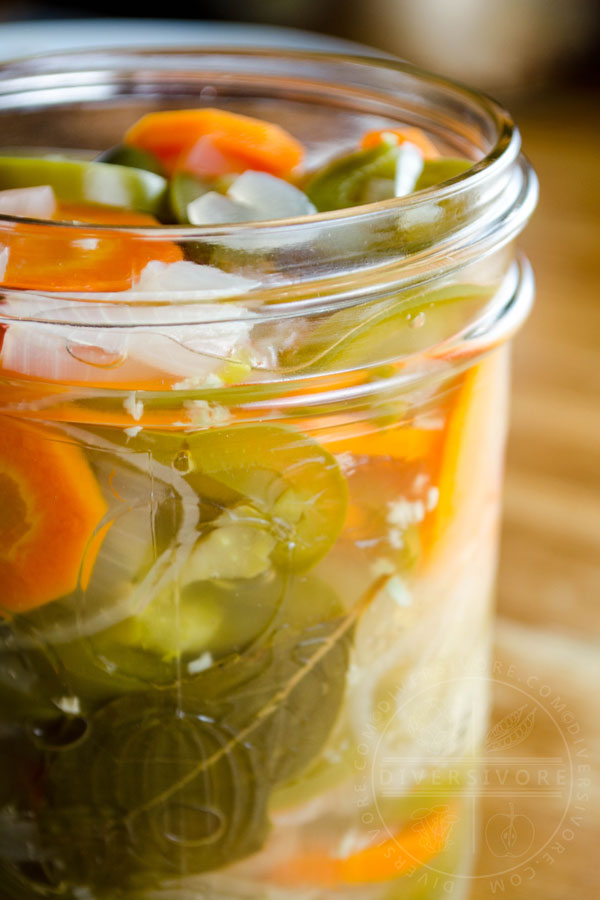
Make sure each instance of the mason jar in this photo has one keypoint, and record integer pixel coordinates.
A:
(250, 479)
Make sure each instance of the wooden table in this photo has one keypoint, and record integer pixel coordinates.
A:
(549, 580)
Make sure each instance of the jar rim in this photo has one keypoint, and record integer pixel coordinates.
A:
(503, 153)
(483, 208)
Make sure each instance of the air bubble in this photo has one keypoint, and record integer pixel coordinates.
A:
(183, 462)
(96, 356)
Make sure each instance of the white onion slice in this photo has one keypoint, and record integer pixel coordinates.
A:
(118, 342)
(377, 189)
(32, 202)
(191, 351)
(110, 355)
(197, 355)
(184, 280)
(216, 209)
(409, 166)
(66, 355)
(253, 197)
(270, 197)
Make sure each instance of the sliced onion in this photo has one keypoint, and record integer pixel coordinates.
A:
(378, 189)
(253, 197)
(194, 351)
(32, 202)
(186, 281)
(409, 165)
(61, 355)
(108, 342)
(216, 209)
(67, 354)
(206, 160)
(270, 197)
(159, 282)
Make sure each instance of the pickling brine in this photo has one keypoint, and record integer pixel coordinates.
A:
(253, 379)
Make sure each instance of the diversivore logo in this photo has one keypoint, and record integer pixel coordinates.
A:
(511, 798)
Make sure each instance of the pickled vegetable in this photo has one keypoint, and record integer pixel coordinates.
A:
(176, 782)
(436, 171)
(184, 188)
(133, 157)
(387, 329)
(50, 508)
(53, 260)
(276, 479)
(76, 181)
(414, 136)
(176, 635)
(345, 181)
(246, 142)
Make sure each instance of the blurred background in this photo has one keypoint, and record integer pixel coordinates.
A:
(499, 45)
(541, 58)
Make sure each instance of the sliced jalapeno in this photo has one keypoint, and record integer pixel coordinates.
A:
(132, 157)
(387, 329)
(436, 171)
(184, 188)
(347, 181)
(187, 770)
(76, 181)
(286, 482)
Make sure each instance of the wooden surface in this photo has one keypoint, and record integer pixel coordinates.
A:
(549, 581)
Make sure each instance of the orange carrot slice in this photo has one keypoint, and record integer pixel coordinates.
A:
(388, 462)
(412, 846)
(251, 143)
(412, 135)
(470, 475)
(43, 258)
(405, 442)
(50, 506)
(102, 215)
(208, 159)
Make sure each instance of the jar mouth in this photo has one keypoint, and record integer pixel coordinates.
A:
(316, 264)
(31, 72)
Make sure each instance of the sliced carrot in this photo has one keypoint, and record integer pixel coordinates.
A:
(50, 506)
(168, 419)
(207, 159)
(413, 846)
(250, 143)
(463, 462)
(102, 215)
(403, 442)
(55, 259)
(471, 463)
(412, 135)
(388, 461)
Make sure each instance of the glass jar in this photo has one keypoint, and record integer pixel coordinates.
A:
(250, 480)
